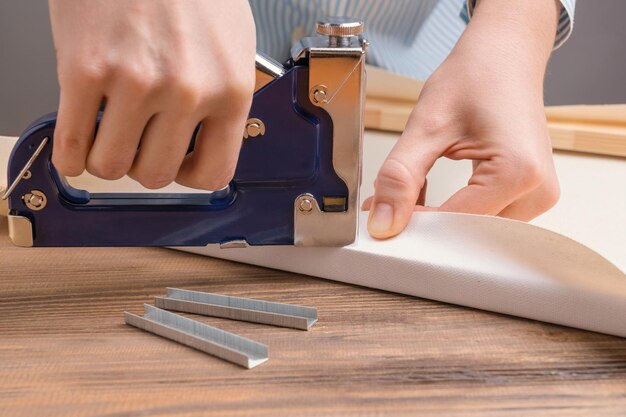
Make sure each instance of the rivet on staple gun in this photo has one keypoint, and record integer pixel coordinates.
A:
(238, 308)
(231, 347)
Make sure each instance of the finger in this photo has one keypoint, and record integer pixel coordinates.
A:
(212, 163)
(534, 203)
(421, 199)
(163, 147)
(367, 204)
(420, 207)
(495, 184)
(118, 136)
(399, 184)
(76, 122)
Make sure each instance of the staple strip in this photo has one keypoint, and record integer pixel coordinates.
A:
(238, 308)
(228, 346)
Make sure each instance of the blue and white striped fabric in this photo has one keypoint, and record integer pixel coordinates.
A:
(409, 37)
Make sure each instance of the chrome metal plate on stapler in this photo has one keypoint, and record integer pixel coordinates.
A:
(238, 308)
(200, 336)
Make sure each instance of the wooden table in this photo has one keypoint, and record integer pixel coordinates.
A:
(65, 351)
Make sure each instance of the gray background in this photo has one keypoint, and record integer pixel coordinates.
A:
(590, 68)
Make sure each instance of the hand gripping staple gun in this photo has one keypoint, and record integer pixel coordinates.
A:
(296, 183)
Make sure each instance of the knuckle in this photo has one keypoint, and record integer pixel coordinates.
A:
(241, 87)
(432, 123)
(550, 195)
(67, 142)
(218, 182)
(553, 194)
(520, 173)
(189, 93)
(234, 95)
(139, 79)
(69, 153)
(113, 169)
(193, 93)
(154, 179)
(394, 176)
(67, 166)
(240, 92)
(83, 70)
(212, 182)
(92, 73)
(530, 172)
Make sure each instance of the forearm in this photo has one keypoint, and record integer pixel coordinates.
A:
(510, 37)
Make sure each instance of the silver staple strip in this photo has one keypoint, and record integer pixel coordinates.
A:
(237, 308)
(228, 346)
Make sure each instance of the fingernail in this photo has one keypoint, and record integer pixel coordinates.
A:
(381, 219)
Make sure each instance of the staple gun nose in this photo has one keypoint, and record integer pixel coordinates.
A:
(296, 183)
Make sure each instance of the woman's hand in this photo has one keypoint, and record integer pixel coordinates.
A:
(484, 103)
(162, 66)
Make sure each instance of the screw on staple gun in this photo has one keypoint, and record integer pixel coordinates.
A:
(296, 183)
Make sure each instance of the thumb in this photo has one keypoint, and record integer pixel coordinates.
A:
(398, 185)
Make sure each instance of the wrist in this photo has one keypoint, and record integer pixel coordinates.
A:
(535, 20)
(509, 37)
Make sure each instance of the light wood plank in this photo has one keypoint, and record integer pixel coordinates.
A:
(609, 114)
(388, 85)
(591, 138)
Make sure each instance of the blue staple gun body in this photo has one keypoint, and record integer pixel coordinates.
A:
(296, 183)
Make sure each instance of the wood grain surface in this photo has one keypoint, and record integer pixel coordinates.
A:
(64, 350)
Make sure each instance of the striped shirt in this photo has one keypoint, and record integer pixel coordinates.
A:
(408, 37)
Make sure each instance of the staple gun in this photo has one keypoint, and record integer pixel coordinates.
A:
(296, 183)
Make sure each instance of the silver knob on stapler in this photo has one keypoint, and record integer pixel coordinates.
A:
(339, 29)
